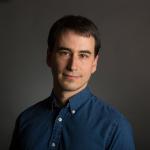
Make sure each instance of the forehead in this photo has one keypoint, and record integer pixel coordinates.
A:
(73, 40)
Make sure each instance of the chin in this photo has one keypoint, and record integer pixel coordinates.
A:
(73, 87)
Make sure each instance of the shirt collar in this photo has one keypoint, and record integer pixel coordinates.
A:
(79, 99)
(74, 102)
(54, 105)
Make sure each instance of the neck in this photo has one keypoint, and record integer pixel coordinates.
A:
(63, 96)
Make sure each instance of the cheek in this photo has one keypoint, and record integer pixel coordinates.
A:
(87, 70)
(60, 65)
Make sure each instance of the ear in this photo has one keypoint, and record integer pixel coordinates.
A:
(48, 58)
(94, 65)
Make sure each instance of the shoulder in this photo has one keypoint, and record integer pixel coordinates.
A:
(36, 110)
(107, 112)
(115, 124)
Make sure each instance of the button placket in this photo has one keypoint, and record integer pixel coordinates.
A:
(57, 129)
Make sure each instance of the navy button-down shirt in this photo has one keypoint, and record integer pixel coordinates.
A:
(85, 123)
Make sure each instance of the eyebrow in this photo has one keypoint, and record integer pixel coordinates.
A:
(69, 49)
(63, 48)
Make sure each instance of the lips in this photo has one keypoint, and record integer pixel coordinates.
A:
(71, 76)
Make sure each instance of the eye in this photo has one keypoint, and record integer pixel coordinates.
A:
(84, 56)
(64, 53)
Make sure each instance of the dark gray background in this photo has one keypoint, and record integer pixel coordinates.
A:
(122, 78)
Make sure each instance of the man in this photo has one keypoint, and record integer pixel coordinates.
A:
(72, 118)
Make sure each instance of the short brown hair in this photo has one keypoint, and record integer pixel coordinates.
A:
(79, 25)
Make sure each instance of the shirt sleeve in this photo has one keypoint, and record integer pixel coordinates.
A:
(121, 136)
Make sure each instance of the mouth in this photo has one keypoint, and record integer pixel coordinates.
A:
(71, 76)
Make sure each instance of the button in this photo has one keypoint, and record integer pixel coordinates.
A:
(60, 119)
(53, 144)
(73, 111)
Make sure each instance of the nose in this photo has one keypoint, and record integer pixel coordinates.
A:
(73, 63)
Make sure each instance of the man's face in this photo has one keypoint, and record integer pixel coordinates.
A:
(72, 62)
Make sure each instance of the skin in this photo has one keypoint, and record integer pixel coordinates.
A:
(72, 63)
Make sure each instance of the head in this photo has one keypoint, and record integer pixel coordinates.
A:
(72, 55)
